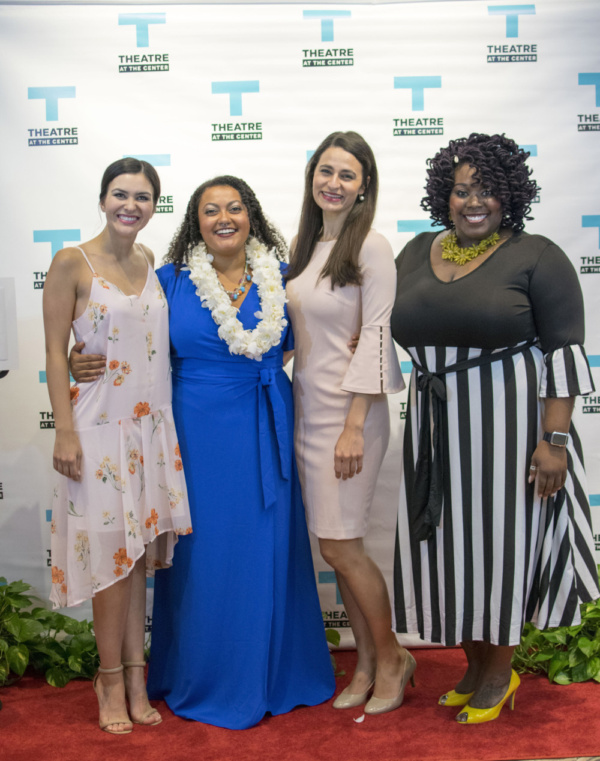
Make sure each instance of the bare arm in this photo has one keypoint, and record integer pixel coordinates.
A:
(60, 294)
(549, 461)
(349, 450)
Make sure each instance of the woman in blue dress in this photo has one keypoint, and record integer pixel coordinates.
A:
(237, 628)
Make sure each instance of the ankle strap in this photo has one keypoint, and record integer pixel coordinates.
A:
(141, 664)
(116, 670)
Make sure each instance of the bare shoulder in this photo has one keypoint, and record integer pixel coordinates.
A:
(149, 254)
(69, 262)
(66, 276)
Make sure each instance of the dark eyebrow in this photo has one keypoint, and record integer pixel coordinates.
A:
(138, 192)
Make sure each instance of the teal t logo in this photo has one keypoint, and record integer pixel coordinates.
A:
(416, 226)
(56, 238)
(235, 90)
(418, 86)
(51, 95)
(594, 80)
(156, 159)
(591, 220)
(512, 13)
(141, 21)
(327, 19)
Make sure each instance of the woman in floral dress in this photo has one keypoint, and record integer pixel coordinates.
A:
(121, 500)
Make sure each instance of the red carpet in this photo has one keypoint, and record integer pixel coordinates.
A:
(42, 723)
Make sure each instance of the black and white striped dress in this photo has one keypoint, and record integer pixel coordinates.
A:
(500, 555)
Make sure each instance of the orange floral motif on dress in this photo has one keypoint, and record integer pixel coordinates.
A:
(152, 520)
(118, 369)
(141, 409)
(58, 576)
(74, 394)
(178, 463)
(120, 557)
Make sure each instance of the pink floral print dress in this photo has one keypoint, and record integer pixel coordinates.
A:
(132, 493)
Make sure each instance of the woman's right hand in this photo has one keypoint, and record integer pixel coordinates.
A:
(67, 454)
(86, 368)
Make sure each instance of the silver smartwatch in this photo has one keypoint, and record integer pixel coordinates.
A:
(556, 438)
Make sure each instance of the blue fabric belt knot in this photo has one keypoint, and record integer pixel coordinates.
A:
(425, 505)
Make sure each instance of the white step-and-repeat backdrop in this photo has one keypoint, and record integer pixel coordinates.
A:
(201, 89)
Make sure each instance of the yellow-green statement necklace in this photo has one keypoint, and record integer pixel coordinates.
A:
(454, 253)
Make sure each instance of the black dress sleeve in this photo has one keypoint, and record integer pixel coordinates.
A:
(558, 312)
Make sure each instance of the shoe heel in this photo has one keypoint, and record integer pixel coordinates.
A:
(512, 701)
(412, 682)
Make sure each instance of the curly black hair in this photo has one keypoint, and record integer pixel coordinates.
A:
(188, 235)
(500, 166)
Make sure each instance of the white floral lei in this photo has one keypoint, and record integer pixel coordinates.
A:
(267, 276)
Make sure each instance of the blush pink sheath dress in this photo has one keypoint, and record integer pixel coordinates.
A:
(326, 375)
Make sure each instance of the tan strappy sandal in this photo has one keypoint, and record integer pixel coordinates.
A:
(150, 710)
(104, 726)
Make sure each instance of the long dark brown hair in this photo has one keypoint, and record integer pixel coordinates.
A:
(342, 265)
(189, 235)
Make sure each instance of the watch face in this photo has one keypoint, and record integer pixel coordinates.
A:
(559, 439)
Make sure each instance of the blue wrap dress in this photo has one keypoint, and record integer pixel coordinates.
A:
(237, 629)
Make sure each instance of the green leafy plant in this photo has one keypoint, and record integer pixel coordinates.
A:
(58, 646)
(333, 638)
(566, 654)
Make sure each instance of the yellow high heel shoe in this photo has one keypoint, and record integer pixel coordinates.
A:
(454, 698)
(471, 715)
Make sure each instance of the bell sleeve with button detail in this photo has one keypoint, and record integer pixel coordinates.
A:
(374, 368)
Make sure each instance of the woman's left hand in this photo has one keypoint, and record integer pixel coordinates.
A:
(348, 453)
(549, 467)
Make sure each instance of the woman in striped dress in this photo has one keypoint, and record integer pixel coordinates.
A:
(494, 525)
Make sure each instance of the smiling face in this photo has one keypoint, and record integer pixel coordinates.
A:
(474, 210)
(337, 181)
(129, 203)
(223, 220)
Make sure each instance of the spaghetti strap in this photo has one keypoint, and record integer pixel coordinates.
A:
(85, 257)
(141, 248)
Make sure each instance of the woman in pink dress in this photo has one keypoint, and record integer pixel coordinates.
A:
(340, 281)
(121, 498)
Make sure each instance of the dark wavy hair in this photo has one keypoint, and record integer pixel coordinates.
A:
(499, 165)
(130, 165)
(188, 235)
(342, 265)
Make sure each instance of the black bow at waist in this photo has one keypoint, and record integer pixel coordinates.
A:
(425, 506)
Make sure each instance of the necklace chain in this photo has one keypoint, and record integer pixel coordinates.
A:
(454, 253)
(243, 283)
